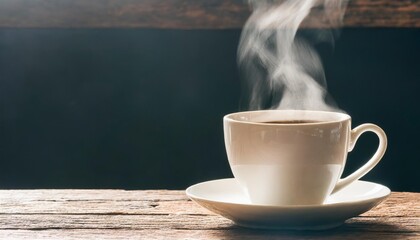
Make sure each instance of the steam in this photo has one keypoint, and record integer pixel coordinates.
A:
(282, 70)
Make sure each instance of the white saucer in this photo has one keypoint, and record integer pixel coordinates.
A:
(227, 198)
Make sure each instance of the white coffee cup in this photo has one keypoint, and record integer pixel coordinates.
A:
(294, 163)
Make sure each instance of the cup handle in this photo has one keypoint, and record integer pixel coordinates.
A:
(355, 134)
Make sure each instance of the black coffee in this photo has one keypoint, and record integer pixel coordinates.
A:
(292, 122)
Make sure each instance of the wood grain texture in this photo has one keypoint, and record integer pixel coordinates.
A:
(183, 14)
(163, 214)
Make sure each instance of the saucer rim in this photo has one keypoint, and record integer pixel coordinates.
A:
(377, 199)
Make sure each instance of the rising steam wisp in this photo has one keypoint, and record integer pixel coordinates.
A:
(283, 70)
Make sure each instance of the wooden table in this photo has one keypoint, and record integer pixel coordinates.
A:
(163, 214)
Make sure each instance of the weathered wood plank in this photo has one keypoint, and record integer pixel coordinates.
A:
(356, 229)
(181, 221)
(237, 233)
(383, 13)
(182, 14)
(159, 214)
(148, 202)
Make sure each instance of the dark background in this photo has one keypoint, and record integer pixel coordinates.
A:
(140, 109)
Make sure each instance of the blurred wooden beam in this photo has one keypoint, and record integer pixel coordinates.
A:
(182, 14)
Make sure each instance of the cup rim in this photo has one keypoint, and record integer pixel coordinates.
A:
(340, 117)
